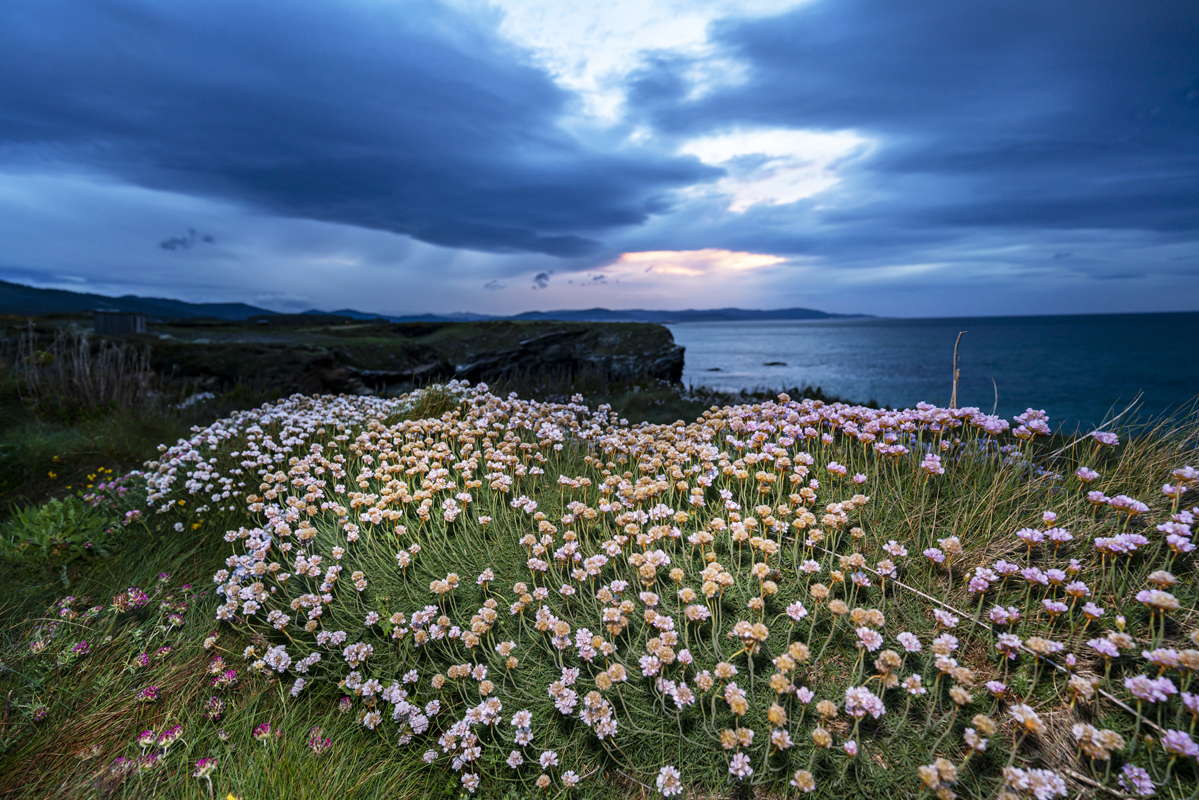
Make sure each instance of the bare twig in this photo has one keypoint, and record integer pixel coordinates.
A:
(957, 373)
(1084, 779)
(634, 780)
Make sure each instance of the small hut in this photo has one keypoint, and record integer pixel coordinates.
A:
(111, 322)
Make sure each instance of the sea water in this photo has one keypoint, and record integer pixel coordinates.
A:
(1082, 369)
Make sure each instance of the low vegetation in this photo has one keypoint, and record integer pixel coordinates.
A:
(515, 591)
(454, 592)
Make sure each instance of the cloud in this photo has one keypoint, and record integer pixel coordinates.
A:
(413, 118)
(896, 158)
(591, 48)
(1008, 116)
(105, 239)
(775, 166)
(186, 242)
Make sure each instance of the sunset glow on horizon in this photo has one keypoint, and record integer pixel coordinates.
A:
(693, 263)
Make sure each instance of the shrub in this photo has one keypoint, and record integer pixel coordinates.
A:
(52, 535)
(56, 534)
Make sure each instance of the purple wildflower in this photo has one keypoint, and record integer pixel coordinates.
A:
(860, 701)
(1054, 607)
(315, 743)
(170, 736)
(1105, 647)
(1179, 743)
(263, 732)
(1030, 536)
(1009, 645)
(214, 708)
(1150, 690)
(1136, 781)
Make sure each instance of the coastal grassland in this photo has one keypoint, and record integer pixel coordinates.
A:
(649, 594)
(75, 410)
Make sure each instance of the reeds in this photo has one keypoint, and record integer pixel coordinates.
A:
(73, 376)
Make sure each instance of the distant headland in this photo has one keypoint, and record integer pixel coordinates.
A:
(19, 299)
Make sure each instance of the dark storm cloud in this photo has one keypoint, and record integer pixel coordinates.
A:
(405, 117)
(1014, 114)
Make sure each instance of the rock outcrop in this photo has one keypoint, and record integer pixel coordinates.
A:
(390, 358)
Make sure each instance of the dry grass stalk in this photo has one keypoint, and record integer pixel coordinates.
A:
(75, 376)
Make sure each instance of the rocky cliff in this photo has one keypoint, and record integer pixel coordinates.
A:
(349, 356)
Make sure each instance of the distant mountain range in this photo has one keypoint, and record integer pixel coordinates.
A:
(28, 301)
(641, 315)
(17, 299)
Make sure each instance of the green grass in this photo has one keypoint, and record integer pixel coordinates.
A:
(92, 717)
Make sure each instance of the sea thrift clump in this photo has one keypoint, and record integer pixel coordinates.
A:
(1042, 784)
(1135, 780)
(668, 782)
(513, 575)
(860, 701)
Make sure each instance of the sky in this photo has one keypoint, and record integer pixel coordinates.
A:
(923, 158)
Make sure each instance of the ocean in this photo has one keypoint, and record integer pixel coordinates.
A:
(1081, 368)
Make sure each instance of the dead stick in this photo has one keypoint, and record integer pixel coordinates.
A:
(957, 373)
(1084, 779)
